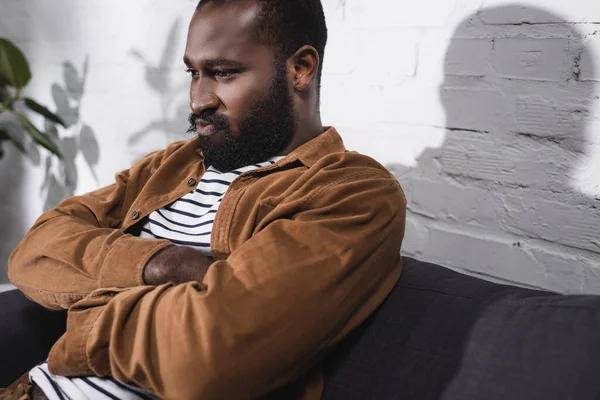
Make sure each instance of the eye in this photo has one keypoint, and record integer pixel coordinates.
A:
(192, 72)
(224, 73)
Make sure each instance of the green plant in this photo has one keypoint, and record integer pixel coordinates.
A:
(14, 77)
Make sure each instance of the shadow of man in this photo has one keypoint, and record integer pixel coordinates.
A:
(499, 197)
(518, 109)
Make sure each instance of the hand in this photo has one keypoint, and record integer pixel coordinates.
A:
(37, 393)
(176, 264)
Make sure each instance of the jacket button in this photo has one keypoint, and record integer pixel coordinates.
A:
(192, 182)
(135, 215)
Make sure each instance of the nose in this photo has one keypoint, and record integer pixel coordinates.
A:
(202, 101)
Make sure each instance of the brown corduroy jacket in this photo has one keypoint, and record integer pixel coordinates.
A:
(305, 250)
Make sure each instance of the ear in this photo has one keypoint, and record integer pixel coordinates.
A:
(306, 66)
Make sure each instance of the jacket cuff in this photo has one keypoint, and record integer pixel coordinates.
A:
(123, 266)
(68, 356)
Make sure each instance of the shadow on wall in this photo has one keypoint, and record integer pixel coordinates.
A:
(171, 124)
(517, 104)
(61, 176)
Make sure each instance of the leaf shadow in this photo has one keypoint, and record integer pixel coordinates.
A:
(77, 138)
(170, 124)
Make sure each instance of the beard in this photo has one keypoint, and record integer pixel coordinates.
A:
(267, 129)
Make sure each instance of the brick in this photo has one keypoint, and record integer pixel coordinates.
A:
(340, 54)
(335, 106)
(591, 278)
(387, 53)
(589, 68)
(377, 140)
(390, 13)
(433, 47)
(468, 57)
(413, 102)
(383, 99)
(569, 272)
(497, 12)
(533, 59)
(481, 110)
(415, 235)
(445, 200)
(478, 252)
(509, 259)
(498, 160)
(536, 217)
(503, 258)
(586, 179)
(563, 119)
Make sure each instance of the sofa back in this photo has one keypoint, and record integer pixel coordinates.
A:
(444, 335)
(439, 335)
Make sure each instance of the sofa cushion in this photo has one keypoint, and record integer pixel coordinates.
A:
(444, 335)
(27, 332)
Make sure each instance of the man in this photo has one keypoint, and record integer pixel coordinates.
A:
(227, 266)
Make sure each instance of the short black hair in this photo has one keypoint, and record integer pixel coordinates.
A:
(287, 25)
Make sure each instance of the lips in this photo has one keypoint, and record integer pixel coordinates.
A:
(205, 130)
(208, 125)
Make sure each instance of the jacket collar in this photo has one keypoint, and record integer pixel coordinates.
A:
(312, 151)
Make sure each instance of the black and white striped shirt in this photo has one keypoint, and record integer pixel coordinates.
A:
(189, 220)
(186, 222)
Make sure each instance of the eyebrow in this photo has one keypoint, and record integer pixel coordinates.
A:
(215, 62)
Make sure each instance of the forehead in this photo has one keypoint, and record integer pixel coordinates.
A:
(224, 31)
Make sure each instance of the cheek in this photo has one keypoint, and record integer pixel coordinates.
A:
(239, 96)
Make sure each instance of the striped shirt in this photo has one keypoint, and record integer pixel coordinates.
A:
(189, 220)
(186, 222)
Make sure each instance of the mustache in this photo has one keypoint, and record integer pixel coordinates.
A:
(220, 122)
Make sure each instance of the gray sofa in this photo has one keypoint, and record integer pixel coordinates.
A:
(439, 335)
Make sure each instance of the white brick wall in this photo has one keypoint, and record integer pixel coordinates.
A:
(512, 192)
(488, 114)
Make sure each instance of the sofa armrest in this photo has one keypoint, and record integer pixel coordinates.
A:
(27, 332)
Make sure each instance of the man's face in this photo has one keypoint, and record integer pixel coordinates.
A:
(240, 98)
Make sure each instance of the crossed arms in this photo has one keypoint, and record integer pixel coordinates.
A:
(245, 325)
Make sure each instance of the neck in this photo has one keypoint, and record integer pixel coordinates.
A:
(306, 131)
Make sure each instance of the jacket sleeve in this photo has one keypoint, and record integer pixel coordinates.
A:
(77, 247)
(263, 317)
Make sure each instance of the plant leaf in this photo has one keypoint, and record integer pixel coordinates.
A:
(39, 137)
(5, 136)
(14, 68)
(4, 93)
(40, 109)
